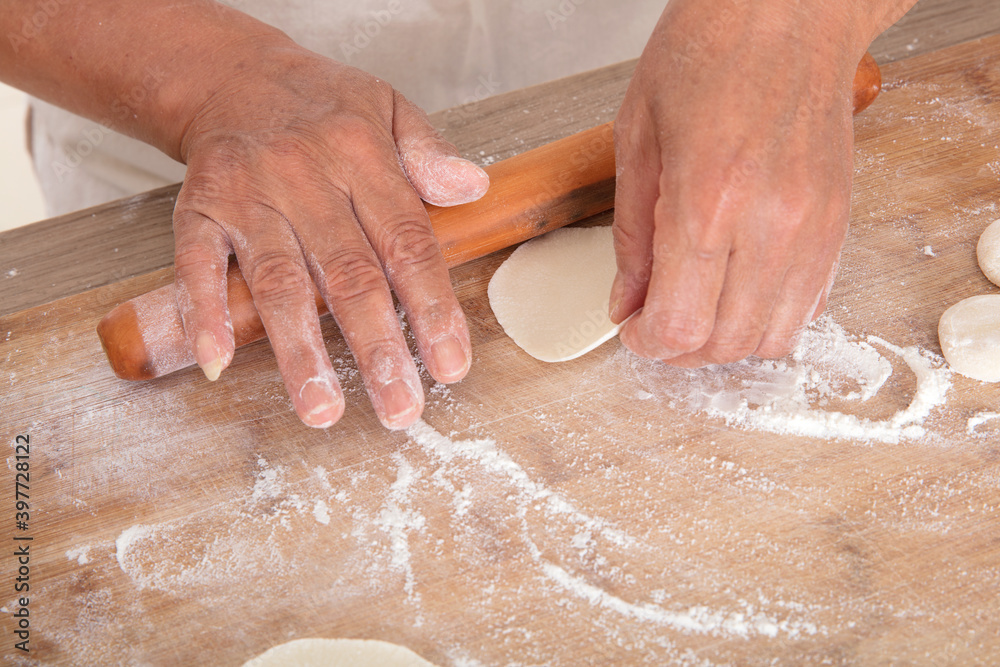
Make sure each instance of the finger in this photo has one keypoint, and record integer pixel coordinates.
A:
(636, 192)
(803, 299)
(690, 256)
(200, 263)
(825, 294)
(401, 236)
(749, 293)
(353, 284)
(282, 292)
(433, 166)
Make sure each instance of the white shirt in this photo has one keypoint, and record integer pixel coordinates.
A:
(439, 53)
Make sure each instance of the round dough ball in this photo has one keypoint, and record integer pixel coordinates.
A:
(969, 333)
(988, 252)
(338, 653)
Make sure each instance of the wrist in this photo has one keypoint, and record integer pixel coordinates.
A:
(843, 28)
(229, 45)
(143, 71)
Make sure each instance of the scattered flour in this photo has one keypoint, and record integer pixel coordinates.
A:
(80, 554)
(398, 519)
(979, 419)
(127, 540)
(792, 396)
(184, 554)
(699, 619)
(322, 512)
(485, 453)
(574, 558)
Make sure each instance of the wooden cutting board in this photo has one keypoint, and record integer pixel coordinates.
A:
(566, 514)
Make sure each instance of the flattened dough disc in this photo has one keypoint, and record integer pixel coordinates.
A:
(969, 333)
(988, 252)
(338, 653)
(552, 294)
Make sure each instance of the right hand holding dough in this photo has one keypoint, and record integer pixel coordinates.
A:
(313, 172)
(734, 156)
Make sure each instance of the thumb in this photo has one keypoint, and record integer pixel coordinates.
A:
(636, 194)
(432, 165)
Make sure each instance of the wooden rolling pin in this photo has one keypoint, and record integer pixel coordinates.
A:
(530, 194)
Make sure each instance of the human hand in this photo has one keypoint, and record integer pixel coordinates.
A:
(734, 151)
(312, 172)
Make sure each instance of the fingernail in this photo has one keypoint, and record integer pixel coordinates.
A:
(470, 167)
(617, 295)
(450, 359)
(476, 179)
(398, 402)
(327, 407)
(207, 355)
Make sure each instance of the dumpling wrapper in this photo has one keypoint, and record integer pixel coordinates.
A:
(969, 333)
(338, 653)
(988, 252)
(552, 294)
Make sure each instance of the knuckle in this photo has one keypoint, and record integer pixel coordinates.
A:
(196, 257)
(410, 243)
(380, 358)
(358, 133)
(789, 212)
(777, 346)
(797, 203)
(289, 148)
(202, 189)
(222, 154)
(630, 240)
(680, 334)
(434, 317)
(351, 274)
(705, 228)
(731, 351)
(277, 278)
(421, 138)
(627, 132)
(379, 88)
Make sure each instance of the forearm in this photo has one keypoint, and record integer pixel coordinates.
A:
(142, 68)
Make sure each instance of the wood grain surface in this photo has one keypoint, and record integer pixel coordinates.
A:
(586, 513)
(109, 243)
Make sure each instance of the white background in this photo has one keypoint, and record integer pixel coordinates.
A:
(20, 196)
